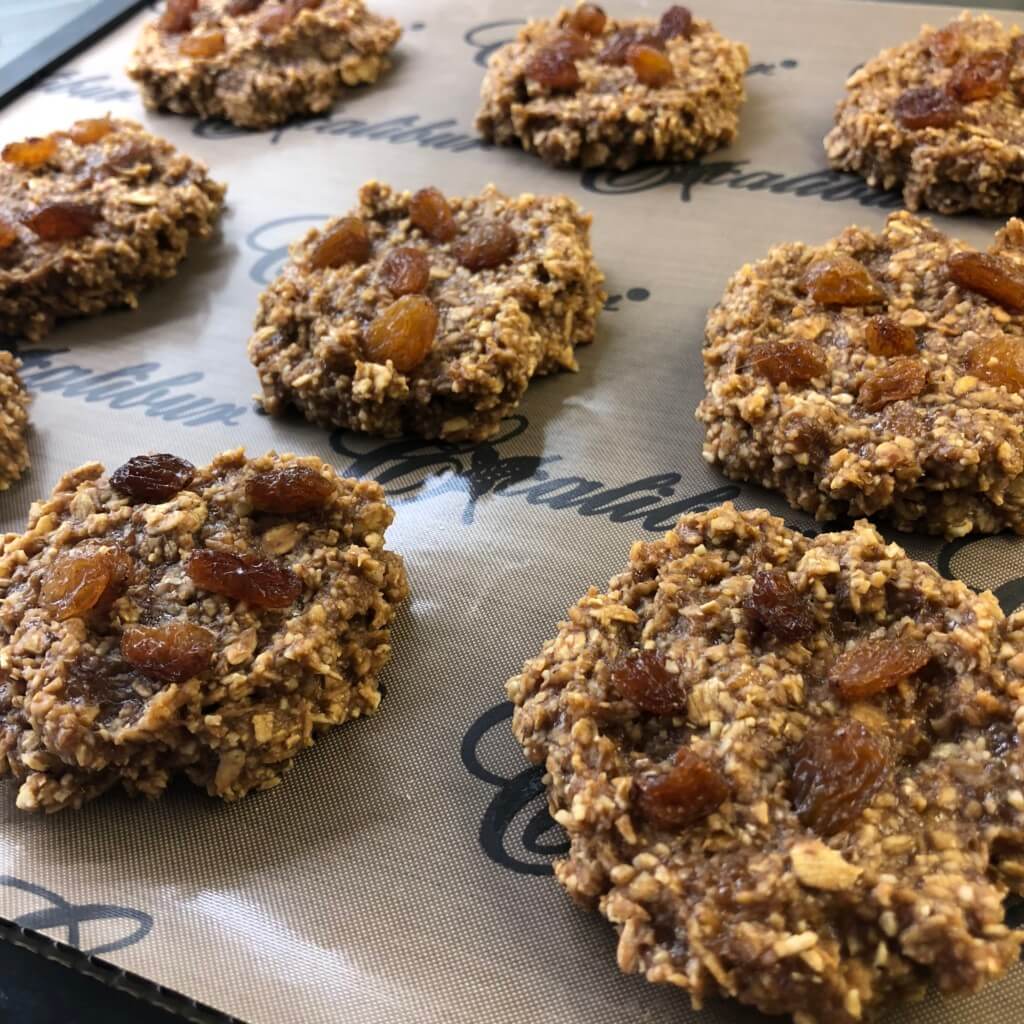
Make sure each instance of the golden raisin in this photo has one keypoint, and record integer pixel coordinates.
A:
(289, 489)
(205, 44)
(261, 583)
(8, 234)
(652, 68)
(676, 21)
(554, 68)
(173, 653)
(876, 664)
(836, 769)
(887, 337)
(926, 107)
(840, 280)
(403, 332)
(901, 378)
(177, 16)
(31, 153)
(588, 19)
(980, 76)
(776, 605)
(792, 362)
(995, 277)
(81, 580)
(405, 271)
(59, 221)
(90, 129)
(489, 244)
(641, 677)
(618, 46)
(429, 211)
(998, 361)
(152, 478)
(347, 242)
(946, 43)
(689, 791)
(274, 18)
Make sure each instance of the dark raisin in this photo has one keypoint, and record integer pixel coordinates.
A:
(616, 50)
(62, 222)
(788, 362)
(836, 769)
(901, 378)
(152, 478)
(840, 280)
(489, 244)
(776, 605)
(926, 107)
(588, 19)
(887, 337)
(676, 21)
(236, 7)
(876, 664)
(289, 490)
(8, 234)
(263, 584)
(554, 68)
(274, 18)
(689, 791)
(405, 271)
(995, 277)
(429, 211)
(641, 677)
(79, 581)
(946, 44)
(348, 241)
(651, 67)
(177, 16)
(204, 44)
(172, 653)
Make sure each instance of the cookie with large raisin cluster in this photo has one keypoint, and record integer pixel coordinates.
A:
(790, 768)
(209, 622)
(583, 88)
(425, 314)
(878, 374)
(258, 63)
(90, 216)
(941, 117)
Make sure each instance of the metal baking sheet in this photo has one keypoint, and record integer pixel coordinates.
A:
(403, 870)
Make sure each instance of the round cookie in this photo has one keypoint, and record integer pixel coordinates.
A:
(790, 769)
(256, 63)
(878, 374)
(424, 314)
(14, 401)
(90, 216)
(586, 89)
(941, 117)
(172, 620)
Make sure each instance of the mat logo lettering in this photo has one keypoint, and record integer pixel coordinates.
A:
(521, 799)
(61, 915)
(102, 88)
(479, 469)
(829, 186)
(135, 386)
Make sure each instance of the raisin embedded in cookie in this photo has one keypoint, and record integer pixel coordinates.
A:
(257, 63)
(208, 622)
(14, 401)
(586, 89)
(426, 314)
(942, 117)
(876, 374)
(90, 216)
(790, 768)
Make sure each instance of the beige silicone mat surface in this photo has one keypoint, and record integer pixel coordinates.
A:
(402, 873)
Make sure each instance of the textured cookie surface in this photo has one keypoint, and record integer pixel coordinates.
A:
(427, 315)
(208, 622)
(590, 90)
(14, 401)
(941, 117)
(790, 768)
(257, 63)
(877, 374)
(91, 215)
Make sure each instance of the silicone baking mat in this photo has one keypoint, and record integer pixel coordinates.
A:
(403, 872)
